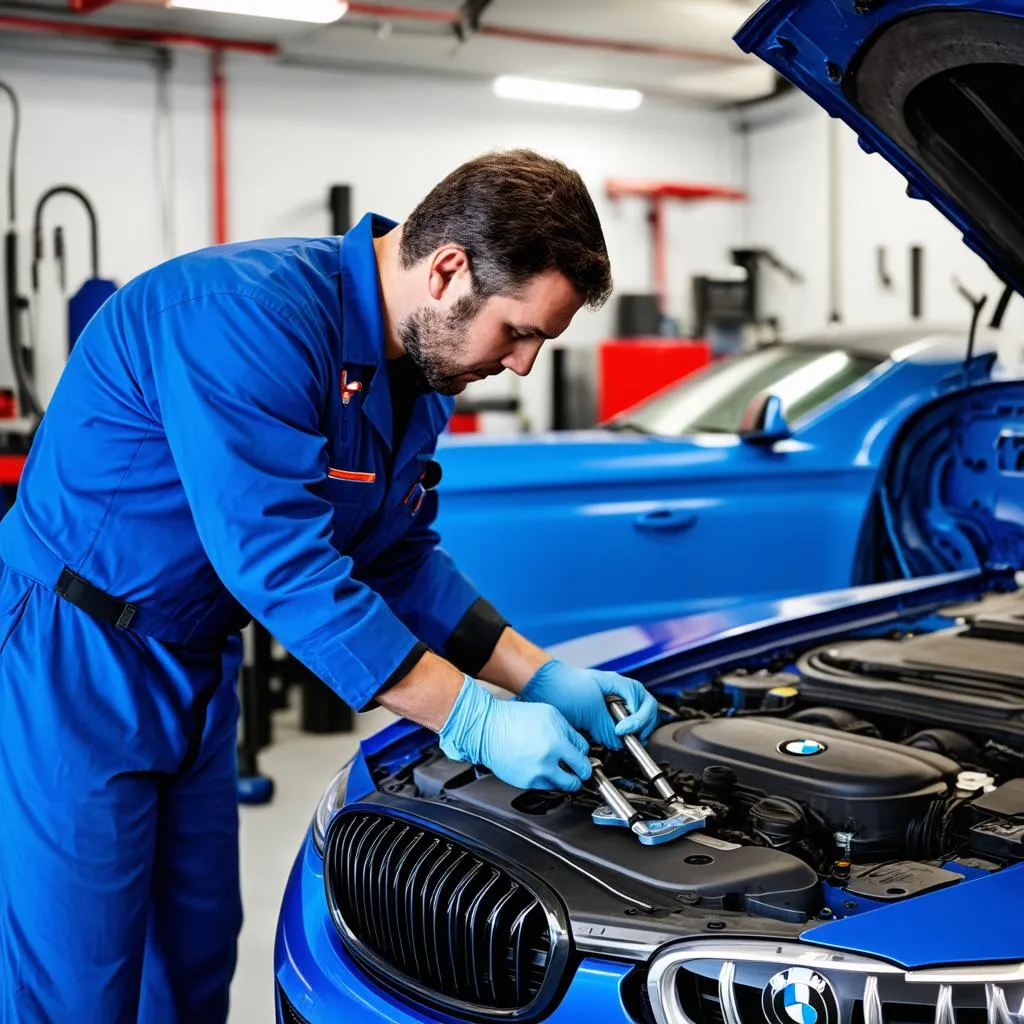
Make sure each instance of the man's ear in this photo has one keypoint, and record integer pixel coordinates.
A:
(447, 264)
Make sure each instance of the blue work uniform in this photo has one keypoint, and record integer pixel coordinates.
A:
(219, 447)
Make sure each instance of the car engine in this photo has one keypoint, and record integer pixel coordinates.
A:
(872, 769)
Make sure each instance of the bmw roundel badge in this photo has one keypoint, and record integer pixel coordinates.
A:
(800, 996)
(802, 747)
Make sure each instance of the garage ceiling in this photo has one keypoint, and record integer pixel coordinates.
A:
(676, 49)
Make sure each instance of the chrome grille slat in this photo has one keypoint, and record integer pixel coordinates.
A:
(944, 1006)
(404, 865)
(457, 932)
(376, 925)
(438, 909)
(410, 908)
(446, 925)
(727, 993)
(872, 1001)
(394, 930)
(995, 1004)
(472, 924)
(427, 895)
(358, 893)
(493, 945)
(519, 968)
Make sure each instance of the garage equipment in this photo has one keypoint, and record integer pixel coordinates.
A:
(84, 304)
(28, 403)
(657, 193)
(618, 812)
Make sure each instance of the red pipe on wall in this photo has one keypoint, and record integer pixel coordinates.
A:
(87, 6)
(135, 35)
(218, 89)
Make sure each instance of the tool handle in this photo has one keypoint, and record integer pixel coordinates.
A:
(612, 797)
(650, 768)
(617, 708)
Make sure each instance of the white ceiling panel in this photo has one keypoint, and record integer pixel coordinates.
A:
(669, 48)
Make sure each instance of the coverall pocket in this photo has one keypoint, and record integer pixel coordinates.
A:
(12, 604)
(350, 519)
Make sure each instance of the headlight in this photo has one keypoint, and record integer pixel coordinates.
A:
(330, 803)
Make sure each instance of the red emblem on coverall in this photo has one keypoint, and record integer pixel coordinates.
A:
(348, 389)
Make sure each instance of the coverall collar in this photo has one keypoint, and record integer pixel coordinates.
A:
(363, 317)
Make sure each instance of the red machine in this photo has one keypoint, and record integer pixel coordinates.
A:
(632, 369)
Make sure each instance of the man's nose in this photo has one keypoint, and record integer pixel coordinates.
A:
(520, 361)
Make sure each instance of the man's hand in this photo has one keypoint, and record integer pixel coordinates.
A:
(579, 693)
(530, 746)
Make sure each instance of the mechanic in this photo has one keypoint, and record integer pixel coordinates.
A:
(245, 431)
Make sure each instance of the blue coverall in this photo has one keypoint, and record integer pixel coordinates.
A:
(219, 446)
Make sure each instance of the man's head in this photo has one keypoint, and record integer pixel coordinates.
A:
(503, 253)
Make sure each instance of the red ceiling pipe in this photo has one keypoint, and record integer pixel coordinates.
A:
(398, 12)
(135, 35)
(87, 6)
(656, 193)
(388, 11)
(218, 90)
(526, 35)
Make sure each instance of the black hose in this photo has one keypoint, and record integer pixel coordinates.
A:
(30, 404)
(37, 228)
(12, 166)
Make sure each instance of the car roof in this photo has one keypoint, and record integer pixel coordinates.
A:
(937, 342)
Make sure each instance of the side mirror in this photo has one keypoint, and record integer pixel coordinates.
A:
(764, 422)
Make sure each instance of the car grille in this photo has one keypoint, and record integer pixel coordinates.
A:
(726, 983)
(440, 921)
(288, 1014)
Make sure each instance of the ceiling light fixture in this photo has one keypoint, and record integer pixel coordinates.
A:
(317, 12)
(536, 90)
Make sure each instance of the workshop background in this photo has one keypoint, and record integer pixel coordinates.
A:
(121, 101)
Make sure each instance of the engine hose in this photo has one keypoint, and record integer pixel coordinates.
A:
(929, 834)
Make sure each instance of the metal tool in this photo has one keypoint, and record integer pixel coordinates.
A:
(618, 812)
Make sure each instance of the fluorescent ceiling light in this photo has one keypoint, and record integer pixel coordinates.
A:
(534, 89)
(319, 12)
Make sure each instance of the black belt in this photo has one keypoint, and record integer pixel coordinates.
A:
(94, 601)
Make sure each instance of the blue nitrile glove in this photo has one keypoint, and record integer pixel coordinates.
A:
(579, 694)
(521, 743)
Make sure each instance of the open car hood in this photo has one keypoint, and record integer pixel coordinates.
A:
(934, 86)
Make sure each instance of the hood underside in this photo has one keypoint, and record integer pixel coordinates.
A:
(952, 493)
(935, 88)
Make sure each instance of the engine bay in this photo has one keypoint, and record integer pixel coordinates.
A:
(838, 778)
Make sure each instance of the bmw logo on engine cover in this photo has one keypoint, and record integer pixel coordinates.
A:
(800, 996)
(802, 748)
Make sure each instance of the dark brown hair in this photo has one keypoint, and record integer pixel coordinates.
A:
(517, 214)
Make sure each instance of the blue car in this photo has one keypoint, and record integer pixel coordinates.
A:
(688, 503)
(827, 826)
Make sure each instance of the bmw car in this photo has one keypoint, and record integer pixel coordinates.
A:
(695, 497)
(827, 826)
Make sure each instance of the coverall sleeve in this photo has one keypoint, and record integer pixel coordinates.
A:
(239, 386)
(426, 590)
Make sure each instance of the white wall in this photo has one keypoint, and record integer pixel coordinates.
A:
(293, 132)
(788, 183)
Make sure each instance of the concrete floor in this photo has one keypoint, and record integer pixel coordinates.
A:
(301, 766)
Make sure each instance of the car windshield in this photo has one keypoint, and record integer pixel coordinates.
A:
(714, 401)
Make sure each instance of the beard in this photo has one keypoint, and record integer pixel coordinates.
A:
(437, 344)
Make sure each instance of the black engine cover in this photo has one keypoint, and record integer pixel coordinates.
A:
(858, 784)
